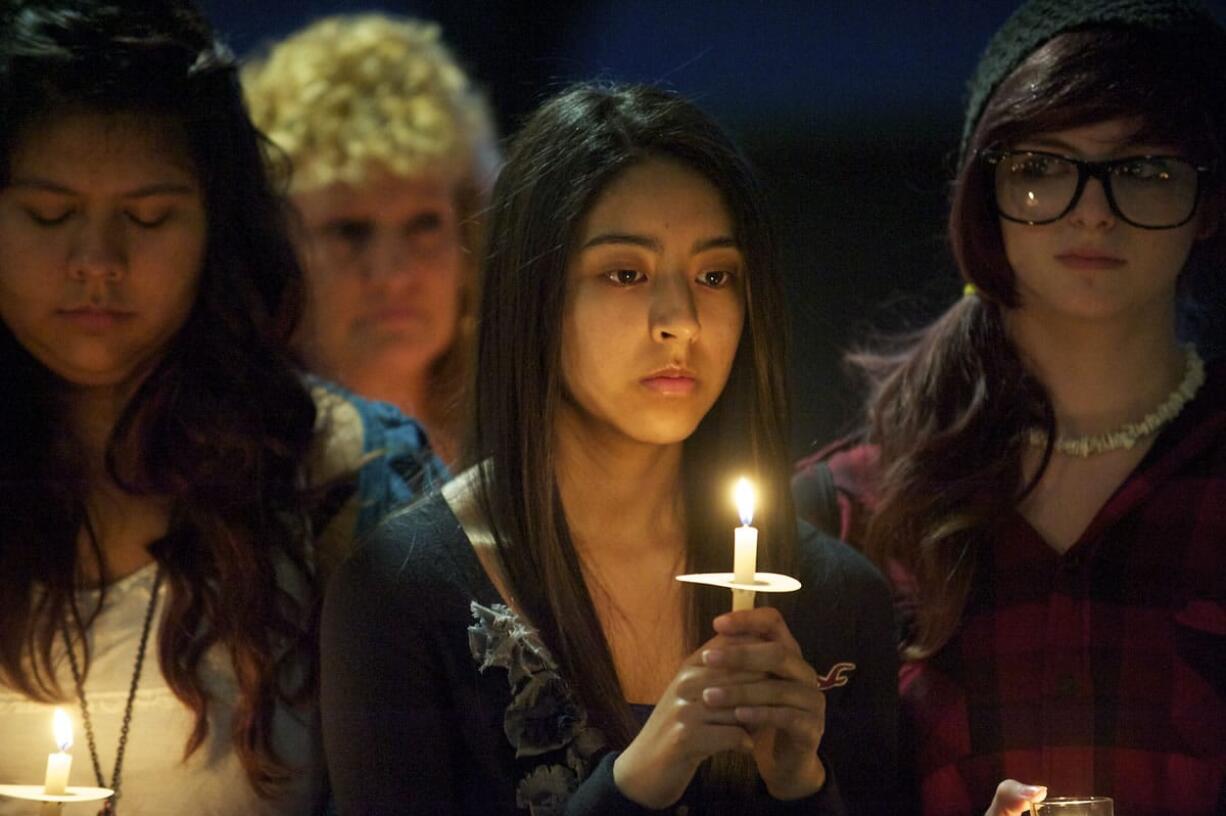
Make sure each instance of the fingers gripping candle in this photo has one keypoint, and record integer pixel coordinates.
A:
(745, 544)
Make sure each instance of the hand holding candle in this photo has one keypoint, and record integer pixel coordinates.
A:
(59, 763)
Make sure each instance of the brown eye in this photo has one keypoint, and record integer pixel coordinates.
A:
(715, 278)
(424, 223)
(355, 234)
(625, 277)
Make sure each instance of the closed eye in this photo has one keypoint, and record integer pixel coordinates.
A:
(149, 223)
(48, 220)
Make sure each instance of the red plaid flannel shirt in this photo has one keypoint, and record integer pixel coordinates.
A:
(1100, 671)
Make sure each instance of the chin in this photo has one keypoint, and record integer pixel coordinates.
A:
(663, 430)
(389, 363)
(405, 352)
(1099, 309)
(92, 376)
(1093, 304)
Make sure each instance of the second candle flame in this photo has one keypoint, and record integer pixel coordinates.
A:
(743, 493)
(61, 726)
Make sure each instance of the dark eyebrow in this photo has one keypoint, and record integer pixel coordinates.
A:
(1047, 143)
(1052, 144)
(701, 245)
(721, 242)
(622, 238)
(156, 189)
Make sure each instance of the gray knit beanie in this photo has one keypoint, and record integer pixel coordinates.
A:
(1038, 21)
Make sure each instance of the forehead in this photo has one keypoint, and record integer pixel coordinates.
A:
(95, 151)
(380, 192)
(655, 195)
(1101, 138)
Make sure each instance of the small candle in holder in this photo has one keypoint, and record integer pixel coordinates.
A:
(745, 546)
(1073, 806)
(60, 762)
(745, 581)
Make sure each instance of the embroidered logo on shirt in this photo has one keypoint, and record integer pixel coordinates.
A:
(837, 676)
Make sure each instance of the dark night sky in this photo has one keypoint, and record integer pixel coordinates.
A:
(851, 112)
(811, 62)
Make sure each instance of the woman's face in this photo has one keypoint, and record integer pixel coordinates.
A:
(654, 307)
(384, 265)
(1091, 264)
(102, 240)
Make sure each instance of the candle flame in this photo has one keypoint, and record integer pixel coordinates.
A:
(743, 493)
(61, 724)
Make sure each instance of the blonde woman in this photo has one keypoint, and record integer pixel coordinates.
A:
(393, 152)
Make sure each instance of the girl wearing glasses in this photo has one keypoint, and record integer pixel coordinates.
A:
(519, 643)
(1044, 473)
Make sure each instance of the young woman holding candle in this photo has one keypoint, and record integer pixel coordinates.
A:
(1045, 471)
(519, 642)
(165, 472)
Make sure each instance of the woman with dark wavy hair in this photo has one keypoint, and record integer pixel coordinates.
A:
(1046, 464)
(166, 476)
(543, 657)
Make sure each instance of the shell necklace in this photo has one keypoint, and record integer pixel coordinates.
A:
(1128, 435)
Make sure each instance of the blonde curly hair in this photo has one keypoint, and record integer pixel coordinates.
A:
(353, 94)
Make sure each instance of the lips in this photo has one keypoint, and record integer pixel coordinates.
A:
(396, 315)
(671, 381)
(92, 318)
(1089, 259)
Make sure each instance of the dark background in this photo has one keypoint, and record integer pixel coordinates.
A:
(851, 113)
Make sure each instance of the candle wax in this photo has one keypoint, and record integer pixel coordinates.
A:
(745, 554)
(58, 766)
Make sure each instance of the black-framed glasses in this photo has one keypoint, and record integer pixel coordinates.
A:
(1150, 192)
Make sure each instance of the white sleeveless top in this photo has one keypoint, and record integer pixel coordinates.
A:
(155, 777)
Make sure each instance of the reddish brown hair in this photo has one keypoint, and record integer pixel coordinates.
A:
(949, 405)
(222, 426)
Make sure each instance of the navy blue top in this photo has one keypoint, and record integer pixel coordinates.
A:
(437, 700)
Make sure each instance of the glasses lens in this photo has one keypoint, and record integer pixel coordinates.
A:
(1034, 186)
(1155, 192)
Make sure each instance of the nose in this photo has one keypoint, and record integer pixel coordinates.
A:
(390, 259)
(674, 314)
(1093, 208)
(99, 251)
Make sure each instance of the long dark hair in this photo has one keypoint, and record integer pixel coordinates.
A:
(221, 426)
(949, 405)
(565, 156)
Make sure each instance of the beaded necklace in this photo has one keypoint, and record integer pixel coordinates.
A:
(1127, 436)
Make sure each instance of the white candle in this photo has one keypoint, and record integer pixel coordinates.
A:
(60, 762)
(745, 546)
(745, 555)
